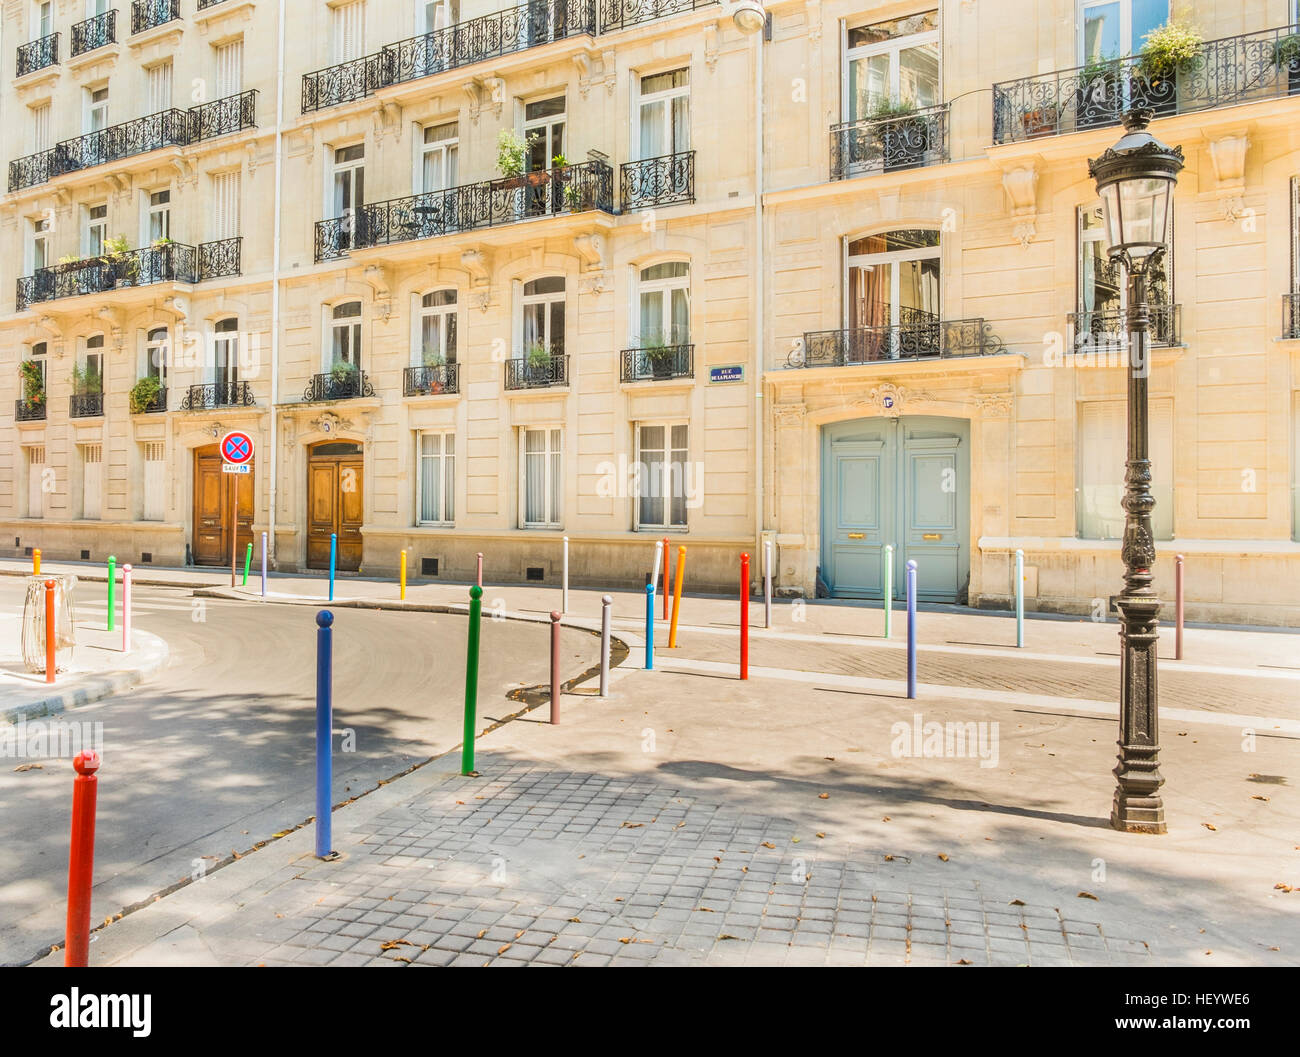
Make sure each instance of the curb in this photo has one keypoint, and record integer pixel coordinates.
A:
(102, 578)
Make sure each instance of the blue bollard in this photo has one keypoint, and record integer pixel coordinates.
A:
(911, 629)
(334, 550)
(649, 626)
(324, 733)
(1020, 598)
(263, 564)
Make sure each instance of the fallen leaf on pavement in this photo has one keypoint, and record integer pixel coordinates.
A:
(30, 767)
(1282, 887)
(768, 844)
(964, 961)
(822, 835)
(502, 949)
(1258, 797)
(1210, 826)
(1016, 903)
(1086, 895)
(942, 857)
(823, 796)
(632, 825)
(389, 945)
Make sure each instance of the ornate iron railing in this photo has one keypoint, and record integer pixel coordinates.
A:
(1231, 70)
(217, 394)
(662, 181)
(523, 373)
(341, 386)
(220, 258)
(172, 262)
(147, 14)
(156, 405)
(1291, 315)
(205, 4)
(37, 55)
(220, 117)
(925, 337)
(343, 82)
(431, 379)
(94, 33)
(1105, 331)
(662, 361)
(86, 405)
(619, 14)
(29, 410)
(889, 144)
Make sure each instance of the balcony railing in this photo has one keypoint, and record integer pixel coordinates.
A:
(217, 394)
(877, 145)
(619, 14)
(94, 33)
(172, 262)
(1231, 70)
(1291, 315)
(37, 55)
(659, 362)
(431, 379)
(86, 405)
(662, 181)
(167, 128)
(1105, 331)
(344, 385)
(920, 339)
(205, 4)
(147, 14)
(501, 33)
(491, 203)
(29, 410)
(155, 406)
(220, 258)
(524, 373)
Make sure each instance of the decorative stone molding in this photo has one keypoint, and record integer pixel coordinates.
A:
(301, 142)
(112, 318)
(582, 60)
(711, 45)
(595, 283)
(178, 306)
(995, 405)
(481, 299)
(609, 70)
(591, 251)
(477, 264)
(1228, 158)
(891, 400)
(376, 277)
(790, 416)
(387, 120)
(1021, 187)
(485, 93)
(187, 171)
(329, 422)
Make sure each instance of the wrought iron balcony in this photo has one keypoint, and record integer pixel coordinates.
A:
(1231, 70)
(29, 410)
(94, 33)
(86, 405)
(492, 203)
(923, 337)
(148, 14)
(528, 373)
(37, 55)
(431, 379)
(1105, 331)
(220, 117)
(343, 385)
(155, 406)
(1291, 315)
(889, 144)
(663, 181)
(217, 394)
(658, 362)
(205, 4)
(619, 14)
(220, 258)
(171, 262)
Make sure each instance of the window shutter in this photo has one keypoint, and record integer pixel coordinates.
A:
(225, 205)
(41, 127)
(230, 68)
(349, 42)
(159, 87)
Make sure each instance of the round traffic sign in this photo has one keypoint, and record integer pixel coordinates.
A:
(237, 448)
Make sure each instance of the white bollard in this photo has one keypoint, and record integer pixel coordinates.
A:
(767, 583)
(564, 590)
(126, 609)
(658, 563)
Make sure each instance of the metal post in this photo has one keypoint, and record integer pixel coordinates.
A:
(555, 667)
(606, 603)
(263, 564)
(36, 562)
(126, 608)
(677, 597)
(81, 860)
(649, 626)
(665, 542)
(652, 578)
(1178, 607)
(479, 577)
(402, 595)
(51, 634)
(744, 616)
(889, 585)
(767, 583)
(471, 678)
(1020, 598)
(911, 629)
(334, 550)
(248, 560)
(112, 591)
(234, 524)
(324, 733)
(564, 581)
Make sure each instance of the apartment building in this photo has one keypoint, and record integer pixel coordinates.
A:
(825, 275)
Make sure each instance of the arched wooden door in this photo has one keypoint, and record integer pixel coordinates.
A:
(212, 501)
(335, 504)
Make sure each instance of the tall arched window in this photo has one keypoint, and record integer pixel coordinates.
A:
(665, 304)
(345, 335)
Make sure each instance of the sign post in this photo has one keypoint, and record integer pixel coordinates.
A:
(236, 459)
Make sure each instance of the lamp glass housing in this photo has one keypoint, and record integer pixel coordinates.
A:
(1136, 211)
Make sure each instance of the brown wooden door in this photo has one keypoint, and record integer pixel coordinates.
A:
(335, 505)
(212, 499)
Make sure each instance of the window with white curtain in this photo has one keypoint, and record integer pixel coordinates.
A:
(543, 315)
(349, 179)
(44, 20)
(436, 481)
(159, 217)
(225, 352)
(35, 480)
(541, 468)
(661, 474)
(665, 113)
(434, 15)
(665, 304)
(155, 480)
(1103, 439)
(224, 211)
(345, 334)
(41, 137)
(91, 367)
(896, 61)
(40, 248)
(347, 36)
(96, 109)
(158, 87)
(96, 230)
(155, 355)
(92, 480)
(438, 157)
(230, 67)
(437, 329)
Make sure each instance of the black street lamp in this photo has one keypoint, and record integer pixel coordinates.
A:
(1135, 179)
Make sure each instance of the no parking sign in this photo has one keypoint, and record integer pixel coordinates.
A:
(236, 452)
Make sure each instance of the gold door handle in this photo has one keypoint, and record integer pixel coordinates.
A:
(932, 535)
(857, 535)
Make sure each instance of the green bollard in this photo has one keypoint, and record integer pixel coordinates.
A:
(471, 678)
(112, 586)
(248, 557)
(889, 586)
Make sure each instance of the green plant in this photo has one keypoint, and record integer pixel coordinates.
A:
(144, 393)
(86, 379)
(1286, 52)
(559, 161)
(885, 109)
(573, 196)
(1172, 48)
(343, 371)
(70, 258)
(432, 357)
(33, 381)
(116, 246)
(538, 355)
(512, 152)
(159, 243)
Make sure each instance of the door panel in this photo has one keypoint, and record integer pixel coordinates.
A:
(322, 490)
(351, 513)
(335, 505)
(212, 496)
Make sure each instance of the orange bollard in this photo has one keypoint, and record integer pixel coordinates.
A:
(81, 860)
(51, 632)
(665, 578)
(744, 616)
(677, 597)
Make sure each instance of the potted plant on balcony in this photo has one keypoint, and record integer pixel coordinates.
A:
(1171, 52)
(1097, 99)
(512, 161)
(660, 356)
(434, 361)
(901, 137)
(537, 363)
(33, 383)
(344, 377)
(1286, 56)
(144, 394)
(125, 265)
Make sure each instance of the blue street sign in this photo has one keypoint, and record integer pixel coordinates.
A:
(734, 373)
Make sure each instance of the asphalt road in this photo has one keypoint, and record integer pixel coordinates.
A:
(216, 753)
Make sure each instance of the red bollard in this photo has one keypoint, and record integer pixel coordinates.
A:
(744, 616)
(51, 635)
(1178, 608)
(81, 860)
(555, 667)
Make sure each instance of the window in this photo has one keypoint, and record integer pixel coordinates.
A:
(665, 305)
(543, 316)
(544, 131)
(436, 486)
(96, 109)
(1111, 29)
(37, 356)
(155, 481)
(431, 17)
(96, 230)
(35, 480)
(92, 480)
(90, 371)
(159, 217)
(156, 355)
(348, 31)
(225, 352)
(1103, 439)
(437, 329)
(349, 179)
(438, 158)
(97, 7)
(224, 214)
(893, 282)
(230, 67)
(541, 460)
(345, 334)
(891, 62)
(41, 138)
(40, 247)
(1295, 234)
(44, 20)
(1102, 292)
(158, 87)
(665, 113)
(661, 475)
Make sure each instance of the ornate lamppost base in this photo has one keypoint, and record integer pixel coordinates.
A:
(1137, 805)
(1137, 814)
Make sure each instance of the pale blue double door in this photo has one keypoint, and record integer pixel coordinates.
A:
(903, 482)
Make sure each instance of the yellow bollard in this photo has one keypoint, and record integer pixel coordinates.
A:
(36, 562)
(403, 596)
(677, 597)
